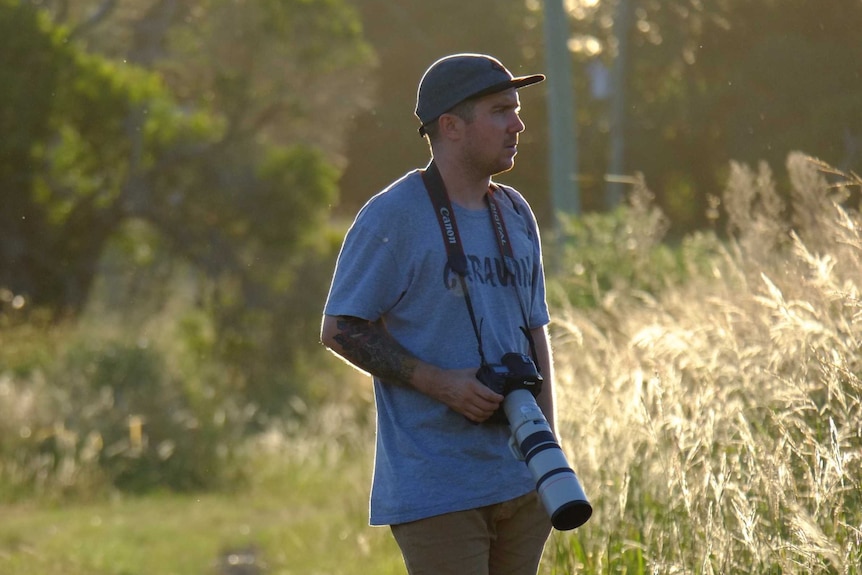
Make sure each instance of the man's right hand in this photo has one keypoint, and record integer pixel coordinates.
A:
(459, 390)
(370, 347)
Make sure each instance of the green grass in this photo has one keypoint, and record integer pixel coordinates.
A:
(306, 519)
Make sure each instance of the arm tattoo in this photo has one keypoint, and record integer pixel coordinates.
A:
(369, 346)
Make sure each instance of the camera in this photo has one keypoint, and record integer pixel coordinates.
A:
(519, 381)
(515, 371)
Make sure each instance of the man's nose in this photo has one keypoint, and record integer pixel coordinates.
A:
(518, 125)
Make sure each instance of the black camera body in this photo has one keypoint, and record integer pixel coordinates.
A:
(515, 371)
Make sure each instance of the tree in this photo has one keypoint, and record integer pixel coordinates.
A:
(52, 231)
(748, 80)
(214, 122)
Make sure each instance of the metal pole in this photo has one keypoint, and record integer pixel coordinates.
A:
(561, 111)
(617, 160)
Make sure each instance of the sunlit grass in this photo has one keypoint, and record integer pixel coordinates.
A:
(716, 425)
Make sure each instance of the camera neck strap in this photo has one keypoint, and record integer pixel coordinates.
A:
(457, 259)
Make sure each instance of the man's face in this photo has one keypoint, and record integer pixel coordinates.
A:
(491, 139)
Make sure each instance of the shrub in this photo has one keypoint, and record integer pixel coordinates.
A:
(624, 250)
(105, 412)
(151, 431)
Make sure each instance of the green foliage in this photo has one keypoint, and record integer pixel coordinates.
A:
(622, 251)
(65, 177)
(265, 273)
(107, 413)
(284, 72)
(153, 433)
(297, 168)
(220, 149)
(30, 64)
(84, 167)
(712, 82)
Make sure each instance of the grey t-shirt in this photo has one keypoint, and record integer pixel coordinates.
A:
(430, 460)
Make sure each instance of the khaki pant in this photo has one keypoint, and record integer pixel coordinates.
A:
(502, 539)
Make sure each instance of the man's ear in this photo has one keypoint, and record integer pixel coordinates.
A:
(451, 126)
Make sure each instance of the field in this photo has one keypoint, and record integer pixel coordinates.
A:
(709, 399)
(296, 516)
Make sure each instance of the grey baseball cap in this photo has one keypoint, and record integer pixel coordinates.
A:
(453, 79)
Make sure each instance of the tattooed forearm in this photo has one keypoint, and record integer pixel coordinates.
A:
(369, 346)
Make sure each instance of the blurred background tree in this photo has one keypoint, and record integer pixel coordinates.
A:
(711, 82)
(215, 126)
(706, 83)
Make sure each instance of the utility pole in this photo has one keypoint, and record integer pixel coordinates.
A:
(561, 112)
(619, 85)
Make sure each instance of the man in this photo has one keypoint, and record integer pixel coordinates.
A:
(445, 479)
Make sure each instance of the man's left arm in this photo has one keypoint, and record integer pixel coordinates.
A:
(545, 359)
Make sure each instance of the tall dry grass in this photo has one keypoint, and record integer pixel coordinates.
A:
(717, 424)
